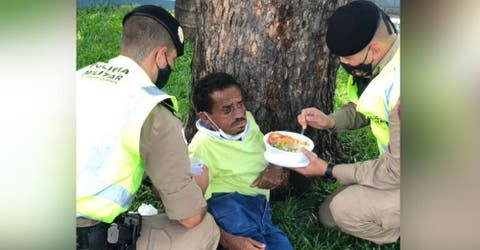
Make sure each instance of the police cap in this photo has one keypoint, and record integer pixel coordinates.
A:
(352, 27)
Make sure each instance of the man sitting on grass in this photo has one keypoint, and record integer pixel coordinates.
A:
(237, 181)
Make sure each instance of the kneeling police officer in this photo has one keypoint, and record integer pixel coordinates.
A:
(127, 131)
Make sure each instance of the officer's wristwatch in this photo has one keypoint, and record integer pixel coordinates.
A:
(328, 172)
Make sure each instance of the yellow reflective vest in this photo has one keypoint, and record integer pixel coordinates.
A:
(113, 101)
(379, 99)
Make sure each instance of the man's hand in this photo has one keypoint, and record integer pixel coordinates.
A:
(270, 178)
(315, 118)
(202, 179)
(232, 242)
(315, 167)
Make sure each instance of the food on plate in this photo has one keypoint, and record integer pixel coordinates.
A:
(285, 142)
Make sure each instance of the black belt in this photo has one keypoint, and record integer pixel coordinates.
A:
(93, 237)
(122, 234)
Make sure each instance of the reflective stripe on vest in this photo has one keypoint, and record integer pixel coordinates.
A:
(110, 168)
(379, 99)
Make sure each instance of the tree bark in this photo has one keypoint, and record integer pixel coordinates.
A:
(277, 50)
(185, 13)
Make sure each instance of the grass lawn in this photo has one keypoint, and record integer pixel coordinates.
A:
(98, 35)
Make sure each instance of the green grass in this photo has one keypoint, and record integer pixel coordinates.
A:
(359, 144)
(98, 34)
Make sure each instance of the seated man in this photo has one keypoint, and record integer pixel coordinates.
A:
(237, 180)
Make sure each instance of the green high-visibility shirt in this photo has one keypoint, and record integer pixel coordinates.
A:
(232, 165)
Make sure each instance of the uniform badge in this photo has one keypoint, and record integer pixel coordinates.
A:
(180, 34)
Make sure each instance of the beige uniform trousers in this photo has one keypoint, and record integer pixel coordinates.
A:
(159, 232)
(364, 212)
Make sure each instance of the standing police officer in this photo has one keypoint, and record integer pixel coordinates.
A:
(127, 130)
(367, 204)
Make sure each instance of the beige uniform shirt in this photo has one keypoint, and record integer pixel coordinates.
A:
(347, 118)
(165, 156)
(382, 173)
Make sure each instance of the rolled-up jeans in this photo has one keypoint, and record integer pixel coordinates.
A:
(247, 216)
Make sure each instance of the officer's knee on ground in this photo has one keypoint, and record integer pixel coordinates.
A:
(356, 215)
(325, 215)
(341, 210)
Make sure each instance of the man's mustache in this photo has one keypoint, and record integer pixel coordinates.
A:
(238, 120)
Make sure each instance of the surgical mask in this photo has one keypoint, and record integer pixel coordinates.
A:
(163, 75)
(219, 133)
(365, 70)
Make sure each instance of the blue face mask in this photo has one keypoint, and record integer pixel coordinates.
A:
(163, 75)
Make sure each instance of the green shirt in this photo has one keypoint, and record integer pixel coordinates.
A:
(232, 165)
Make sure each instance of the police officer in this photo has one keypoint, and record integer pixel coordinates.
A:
(367, 204)
(127, 130)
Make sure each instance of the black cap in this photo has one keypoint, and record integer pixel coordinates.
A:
(352, 27)
(164, 18)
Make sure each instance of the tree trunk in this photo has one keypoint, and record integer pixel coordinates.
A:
(185, 13)
(277, 50)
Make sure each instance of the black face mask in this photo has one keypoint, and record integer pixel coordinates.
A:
(362, 69)
(163, 75)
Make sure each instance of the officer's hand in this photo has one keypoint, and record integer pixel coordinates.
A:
(270, 178)
(315, 167)
(315, 118)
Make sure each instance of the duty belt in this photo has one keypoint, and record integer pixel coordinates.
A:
(122, 234)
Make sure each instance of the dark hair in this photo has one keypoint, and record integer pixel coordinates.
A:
(201, 94)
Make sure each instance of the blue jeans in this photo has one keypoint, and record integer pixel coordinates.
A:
(247, 216)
